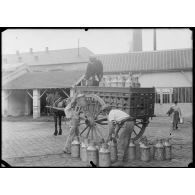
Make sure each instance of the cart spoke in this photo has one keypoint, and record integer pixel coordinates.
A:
(138, 126)
(84, 130)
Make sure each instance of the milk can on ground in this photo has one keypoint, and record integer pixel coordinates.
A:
(92, 154)
(75, 148)
(167, 149)
(159, 150)
(145, 152)
(83, 150)
(104, 156)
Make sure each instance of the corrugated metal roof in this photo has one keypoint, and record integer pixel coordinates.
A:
(50, 57)
(44, 80)
(147, 61)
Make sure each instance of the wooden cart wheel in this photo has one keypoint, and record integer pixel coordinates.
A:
(139, 128)
(93, 123)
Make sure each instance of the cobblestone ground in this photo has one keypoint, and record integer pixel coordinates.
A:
(32, 144)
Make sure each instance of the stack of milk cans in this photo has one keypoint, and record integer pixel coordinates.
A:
(103, 154)
(89, 151)
(144, 151)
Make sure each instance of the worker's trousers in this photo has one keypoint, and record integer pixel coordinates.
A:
(124, 139)
(74, 131)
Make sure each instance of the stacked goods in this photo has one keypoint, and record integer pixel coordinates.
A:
(104, 156)
(75, 148)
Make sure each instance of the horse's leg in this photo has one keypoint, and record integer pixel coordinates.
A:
(55, 121)
(60, 120)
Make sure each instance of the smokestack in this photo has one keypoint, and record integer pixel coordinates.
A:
(154, 39)
(47, 49)
(137, 40)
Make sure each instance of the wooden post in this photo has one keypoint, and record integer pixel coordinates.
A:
(36, 103)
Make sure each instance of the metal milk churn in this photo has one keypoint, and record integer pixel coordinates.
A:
(167, 150)
(144, 152)
(92, 153)
(128, 82)
(113, 150)
(159, 150)
(75, 148)
(102, 82)
(104, 156)
(108, 82)
(83, 150)
(120, 81)
(131, 151)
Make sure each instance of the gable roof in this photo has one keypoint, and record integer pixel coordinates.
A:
(44, 80)
(163, 60)
(50, 57)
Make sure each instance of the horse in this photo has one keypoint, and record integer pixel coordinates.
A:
(55, 100)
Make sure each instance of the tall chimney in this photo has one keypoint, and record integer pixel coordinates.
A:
(154, 39)
(137, 40)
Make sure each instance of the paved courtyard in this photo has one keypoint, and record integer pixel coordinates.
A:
(32, 144)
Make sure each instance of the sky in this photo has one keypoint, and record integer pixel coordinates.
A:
(99, 41)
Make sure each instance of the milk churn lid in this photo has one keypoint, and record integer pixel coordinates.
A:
(75, 142)
(167, 143)
(159, 143)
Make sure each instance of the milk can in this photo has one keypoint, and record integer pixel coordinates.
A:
(128, 82)
(114, 82)
(104, 156)
(102, 82)
(159, 150)
(167, 150)
(120, 81)
(108, 82)
(131, 151)
(144, 152)
(92, 154)
(83, 150)
(113, 150)
(75, 148)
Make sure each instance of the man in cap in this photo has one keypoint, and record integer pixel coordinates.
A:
(72, 111)
(119, 120)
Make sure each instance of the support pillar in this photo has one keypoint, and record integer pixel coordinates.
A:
(36, 103)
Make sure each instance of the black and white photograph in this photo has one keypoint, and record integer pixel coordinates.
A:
(97, 97)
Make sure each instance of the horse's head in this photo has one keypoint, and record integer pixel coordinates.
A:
(49, 99)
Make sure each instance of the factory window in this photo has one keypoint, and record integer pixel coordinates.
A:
(166, 98)
(182, 94)
(157, 98)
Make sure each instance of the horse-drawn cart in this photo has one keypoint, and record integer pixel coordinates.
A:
(138, 102)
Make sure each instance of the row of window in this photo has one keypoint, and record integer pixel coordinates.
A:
(180, 94)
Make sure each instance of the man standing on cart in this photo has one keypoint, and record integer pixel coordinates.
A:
(119, 120)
